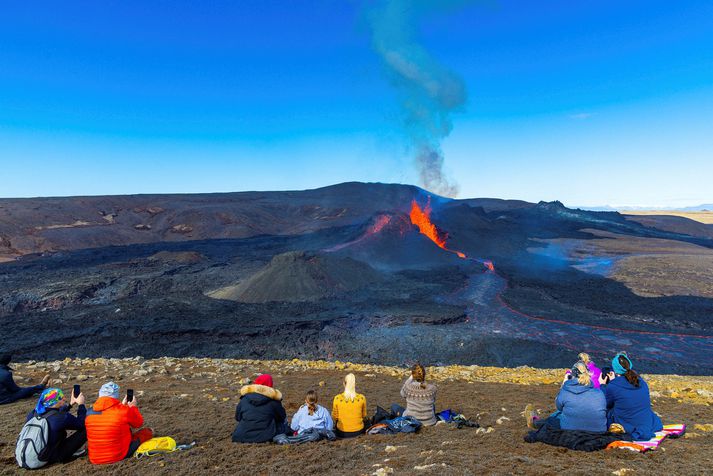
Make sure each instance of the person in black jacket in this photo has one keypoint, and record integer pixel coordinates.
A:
(260, 414)
(53, 406)
(9, 391)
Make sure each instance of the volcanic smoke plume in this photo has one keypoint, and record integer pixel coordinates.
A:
(429, 91)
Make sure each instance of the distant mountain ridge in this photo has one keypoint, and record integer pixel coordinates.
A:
(608, 208)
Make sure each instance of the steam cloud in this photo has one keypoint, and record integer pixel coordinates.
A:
(430, 92)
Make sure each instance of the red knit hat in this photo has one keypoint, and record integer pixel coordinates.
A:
(264, 379)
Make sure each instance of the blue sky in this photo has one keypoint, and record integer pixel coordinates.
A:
(590, 103)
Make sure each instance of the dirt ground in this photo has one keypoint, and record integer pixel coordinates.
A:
(196, 401)
(702, 216)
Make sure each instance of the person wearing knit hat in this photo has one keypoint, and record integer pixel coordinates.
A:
(260, 414)
(629, 401)
(52, 406)
(9, 390)
(109, 427)
(109, 389)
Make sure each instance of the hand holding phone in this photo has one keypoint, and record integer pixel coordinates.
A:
(77, 396)
(129, 395)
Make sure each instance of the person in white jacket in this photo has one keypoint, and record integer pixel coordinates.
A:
(311, 415)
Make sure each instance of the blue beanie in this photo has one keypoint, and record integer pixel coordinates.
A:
(618, 368)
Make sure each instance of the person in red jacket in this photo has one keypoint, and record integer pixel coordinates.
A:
(109, 425)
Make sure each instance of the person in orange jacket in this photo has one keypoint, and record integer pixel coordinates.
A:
(109, 425)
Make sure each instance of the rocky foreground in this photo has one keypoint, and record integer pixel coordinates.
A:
(194, 399)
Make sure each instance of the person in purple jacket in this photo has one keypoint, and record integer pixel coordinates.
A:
(593, 369)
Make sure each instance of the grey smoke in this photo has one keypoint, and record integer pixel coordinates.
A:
(429, 91)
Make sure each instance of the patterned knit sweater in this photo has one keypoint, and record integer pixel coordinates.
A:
(420, 402)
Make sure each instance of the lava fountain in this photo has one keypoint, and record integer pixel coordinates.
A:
(421, 217)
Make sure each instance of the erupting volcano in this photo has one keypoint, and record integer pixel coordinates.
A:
(421, 217)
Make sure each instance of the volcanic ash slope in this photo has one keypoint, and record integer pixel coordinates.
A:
(300, 276)
(194, 400)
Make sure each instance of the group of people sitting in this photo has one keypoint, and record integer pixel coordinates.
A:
(111, 428)
(261, 416)
(610, 400)
(613, 399)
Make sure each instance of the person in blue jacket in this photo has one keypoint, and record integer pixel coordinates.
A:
(580, 406)
(629, 402)
(310, 415)
(60, 447)
(9, 391)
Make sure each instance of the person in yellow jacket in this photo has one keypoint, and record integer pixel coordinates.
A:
(349, 410)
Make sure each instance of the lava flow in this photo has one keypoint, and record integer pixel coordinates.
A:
(421, 217)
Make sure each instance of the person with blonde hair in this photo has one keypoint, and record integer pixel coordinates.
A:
(310, 415)
(593, 369)
(420, 396)
(580, 406)
(349, 410)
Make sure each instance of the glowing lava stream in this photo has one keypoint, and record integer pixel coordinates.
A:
(421, 217)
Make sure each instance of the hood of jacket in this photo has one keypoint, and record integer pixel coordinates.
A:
(260, 394)
(574, 387)
(104, 403)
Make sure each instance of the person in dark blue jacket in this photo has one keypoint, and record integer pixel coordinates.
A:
(260, 414)
(53, 406)
(629, 402)
(9, 390)
(580, 406)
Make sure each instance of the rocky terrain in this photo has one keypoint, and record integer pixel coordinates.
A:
(194, 400)
(348, 272)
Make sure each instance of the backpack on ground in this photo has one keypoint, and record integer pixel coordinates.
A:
(160, 445)
(32, 442)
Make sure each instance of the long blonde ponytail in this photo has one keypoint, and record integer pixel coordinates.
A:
(350, 387)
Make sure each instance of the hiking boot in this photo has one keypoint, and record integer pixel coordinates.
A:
(530, 416)
(616, 428)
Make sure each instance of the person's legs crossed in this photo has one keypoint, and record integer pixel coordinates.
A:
(65, 452)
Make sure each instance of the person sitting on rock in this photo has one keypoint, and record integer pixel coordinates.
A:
(109, 426)
(9, 390)
(580, 406)
(349, 410)
(310, 415)
(420, 396)
(260, 414)
(629, 402)
(52, 406)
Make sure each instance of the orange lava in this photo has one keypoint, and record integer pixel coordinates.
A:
(489, 265)
(421, 217)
